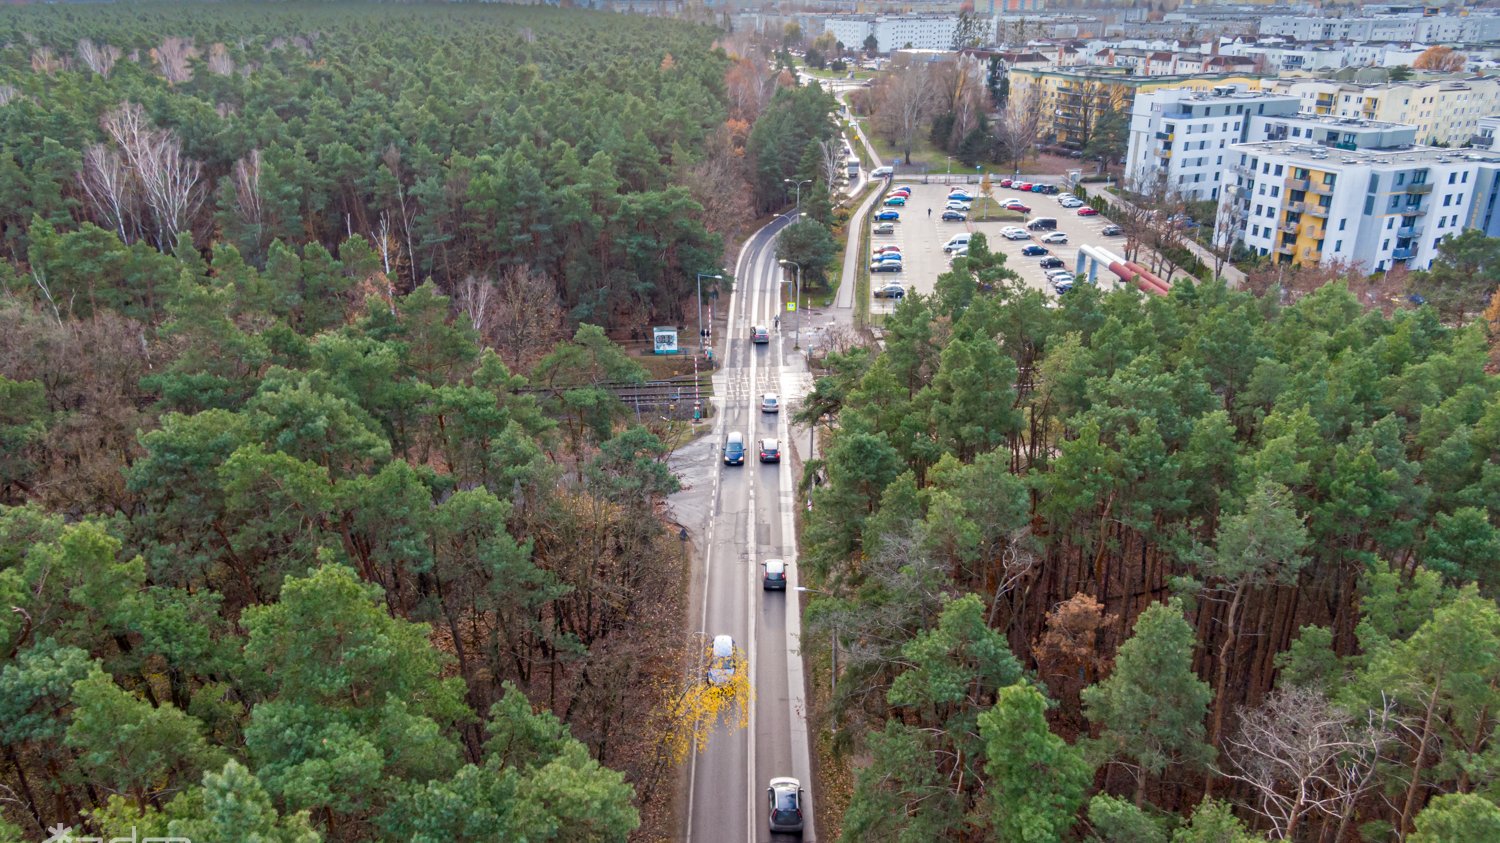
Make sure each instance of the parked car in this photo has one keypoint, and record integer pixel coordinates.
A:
(1070, 202)
(785, 798)
(1062, 285)
(1051, 263)
(770, 403)
(885, 228)
(1012, 201)
(956, 205)
(1049, 188)
(1035, 251)
(888, 248)
(904, 190)
(1112, 230)
(1005, 182)
(1054, 274)
(961, 251)
(1017, 235)
(1019, 208)
(759, 334)
(961, 195)
(773, 572)
(885, 257)
(1022, 185)
(1087, 212)
(895, 201)
(770, 450)
(1039, 188)
(954, 216)
(1055, 237)
(890, 291)
(888, 214)
(886, 266)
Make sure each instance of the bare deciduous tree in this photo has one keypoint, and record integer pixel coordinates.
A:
(1304, 757)
(248, 200)
(99, 58)
(1020, 125)
(8, 93)
(219, 62)
(173, 57)
(170, 182)
(46, 62)
(832, 159)
(903, 104)
(1229, 224)
(112, 190)
(526, 318)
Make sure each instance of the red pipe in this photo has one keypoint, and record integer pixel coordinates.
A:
(1149, 276)
(1147, 282)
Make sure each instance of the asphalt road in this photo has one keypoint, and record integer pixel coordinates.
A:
(751, 520)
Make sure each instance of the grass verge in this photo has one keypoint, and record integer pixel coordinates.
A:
(862, 278)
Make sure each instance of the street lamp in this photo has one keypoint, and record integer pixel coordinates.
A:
(799, 189)
(702, 341)
(797, 336)
(950, 164)
(833, 667)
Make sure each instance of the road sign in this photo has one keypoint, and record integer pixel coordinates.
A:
(791, 306)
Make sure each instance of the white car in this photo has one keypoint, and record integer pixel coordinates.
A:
(1011, 229)
(1017, 235)
(955, 205)
(1070, 202)
(880, 172)
(1054, 237)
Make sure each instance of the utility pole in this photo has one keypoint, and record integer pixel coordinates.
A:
(797, 337)
(702, 343)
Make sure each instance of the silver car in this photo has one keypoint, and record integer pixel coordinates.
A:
(784, 797)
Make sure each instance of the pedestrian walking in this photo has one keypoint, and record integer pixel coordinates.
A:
(929, 212)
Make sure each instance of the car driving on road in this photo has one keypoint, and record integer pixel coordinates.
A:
(759, 335)
(773, 575)
(785, 797)
(770, 403)
(721, 661)
(770, 450)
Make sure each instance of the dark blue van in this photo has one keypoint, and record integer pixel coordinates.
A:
(734, 449)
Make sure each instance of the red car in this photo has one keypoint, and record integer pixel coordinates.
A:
(1022, 185)
(1005, 182)
(901, 191)
(884, 249)
(1022, 208)
(1087, 212)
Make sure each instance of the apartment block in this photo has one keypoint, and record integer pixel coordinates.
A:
(1071, 100)
(1430, 29)
(1307, 203)
(916, 32)
(1179, 136)
(1446, 112)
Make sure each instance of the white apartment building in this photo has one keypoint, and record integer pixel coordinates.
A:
(1437, 29)
(1306, 203)
(1179, 138)
(1444, 111)
(1276, 58)
(917, 32)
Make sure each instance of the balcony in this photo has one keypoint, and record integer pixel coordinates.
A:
(1413, 211)
(1286, 249)
(1177, 115)
(1296, 207)
(1317, 210)
(1481, 141)
(1322, 189)
(1408, 231)
(1402, 254)
(1164, 153)
(1424, 187)
(1287, 227)
(1296, 184)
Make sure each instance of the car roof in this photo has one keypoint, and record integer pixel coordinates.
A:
(768, 395)
(776, 565)
(723, 643)
(770, 443)
(786, 781)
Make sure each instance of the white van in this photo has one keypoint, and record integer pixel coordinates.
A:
(957, 241)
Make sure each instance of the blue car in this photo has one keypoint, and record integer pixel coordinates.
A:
(886, 256)
(1034, 251)
(961, 196)
(888, 215)
(896, 201)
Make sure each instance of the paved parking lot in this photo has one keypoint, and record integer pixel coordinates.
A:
(921, 238)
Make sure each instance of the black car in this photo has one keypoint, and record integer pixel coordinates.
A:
(890, 291)
(885, 266)
(1051, 263)
(1035, 251)
(1112, 230)
(954, 216)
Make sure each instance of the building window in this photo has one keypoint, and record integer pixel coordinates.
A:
(1278, 169)
(1275, 191)
(1343, 223)
(1385, 244)
(1452, 178)
(1390, 223)
(1338, 245)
